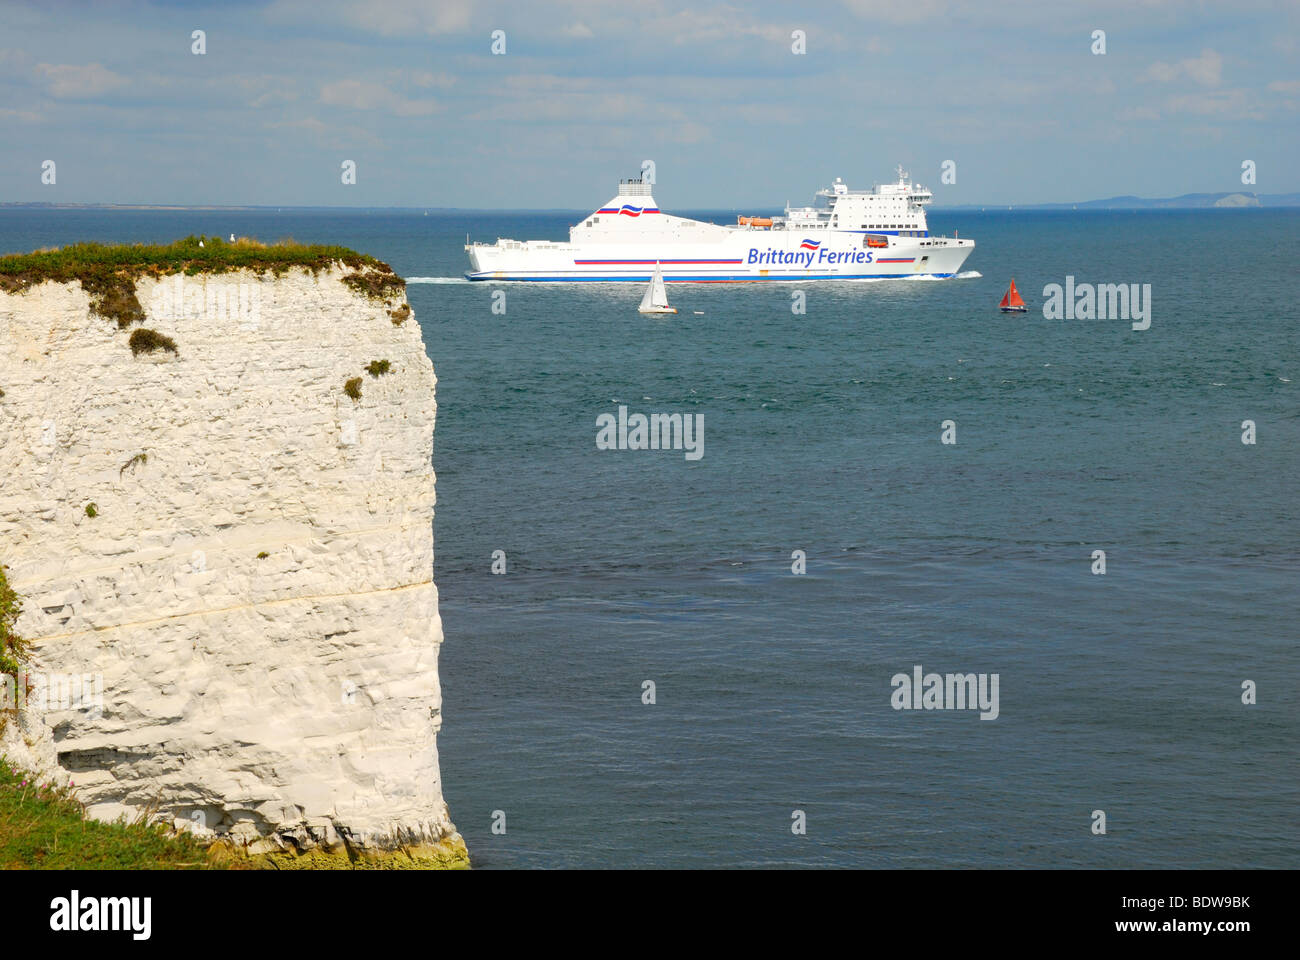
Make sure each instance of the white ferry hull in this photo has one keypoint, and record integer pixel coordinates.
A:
(751, 256)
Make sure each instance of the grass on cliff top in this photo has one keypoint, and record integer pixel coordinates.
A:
(45, 828)
(108, 271)
(81, 260)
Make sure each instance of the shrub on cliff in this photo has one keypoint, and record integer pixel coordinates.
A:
(375, 284)
(113, 297)
(147, 341)
(131, 464)
(353, 388)
(377, 367)
(13, 648)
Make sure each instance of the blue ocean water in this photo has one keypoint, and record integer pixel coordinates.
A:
(1119, 693)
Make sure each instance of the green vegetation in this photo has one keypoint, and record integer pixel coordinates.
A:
(377, 367)
(353, 388)
(13, 648)
(132, 463)
(113, 297)
(43, 827)
(400, 314)
(92, 511)
(376, 285)
(263, 555)
(108, 272)
(147, 341)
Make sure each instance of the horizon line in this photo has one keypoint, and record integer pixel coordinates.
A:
(160, 206)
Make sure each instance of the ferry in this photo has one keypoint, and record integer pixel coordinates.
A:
(845, 235)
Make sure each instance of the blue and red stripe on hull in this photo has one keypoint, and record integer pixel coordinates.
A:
(611, 263)
(741, 278)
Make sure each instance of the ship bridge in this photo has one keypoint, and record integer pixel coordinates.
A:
(887, 208)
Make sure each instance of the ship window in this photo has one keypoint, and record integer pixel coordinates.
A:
(595, 219)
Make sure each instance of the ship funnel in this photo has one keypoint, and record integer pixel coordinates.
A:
(635, 187)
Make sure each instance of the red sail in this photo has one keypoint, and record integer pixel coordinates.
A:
(1012, 297)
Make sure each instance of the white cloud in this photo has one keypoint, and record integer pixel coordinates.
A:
(388, 18)
(424, 79)
(908, 12)
(335, 135)
(19, 116)
(78, 81)
(1233, 103)
(1207, 69)
(363, 95)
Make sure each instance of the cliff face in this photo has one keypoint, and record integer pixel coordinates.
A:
(248, 622)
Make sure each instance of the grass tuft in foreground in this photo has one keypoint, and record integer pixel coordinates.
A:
(43, 827)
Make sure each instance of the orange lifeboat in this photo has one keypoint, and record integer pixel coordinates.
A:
(754, 221)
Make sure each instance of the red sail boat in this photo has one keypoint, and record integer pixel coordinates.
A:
(1011, 302)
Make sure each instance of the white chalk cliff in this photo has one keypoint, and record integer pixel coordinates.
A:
(255, 588)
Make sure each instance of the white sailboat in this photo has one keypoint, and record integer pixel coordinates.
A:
(656, 295)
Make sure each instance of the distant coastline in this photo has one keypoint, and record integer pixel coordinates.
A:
(1188, 201)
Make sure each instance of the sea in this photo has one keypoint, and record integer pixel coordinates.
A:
(697, 662)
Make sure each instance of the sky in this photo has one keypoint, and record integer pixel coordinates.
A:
(1011, 97)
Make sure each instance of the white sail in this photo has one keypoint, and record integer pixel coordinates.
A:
(655, 299)
(647, 301)
(657, 288)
